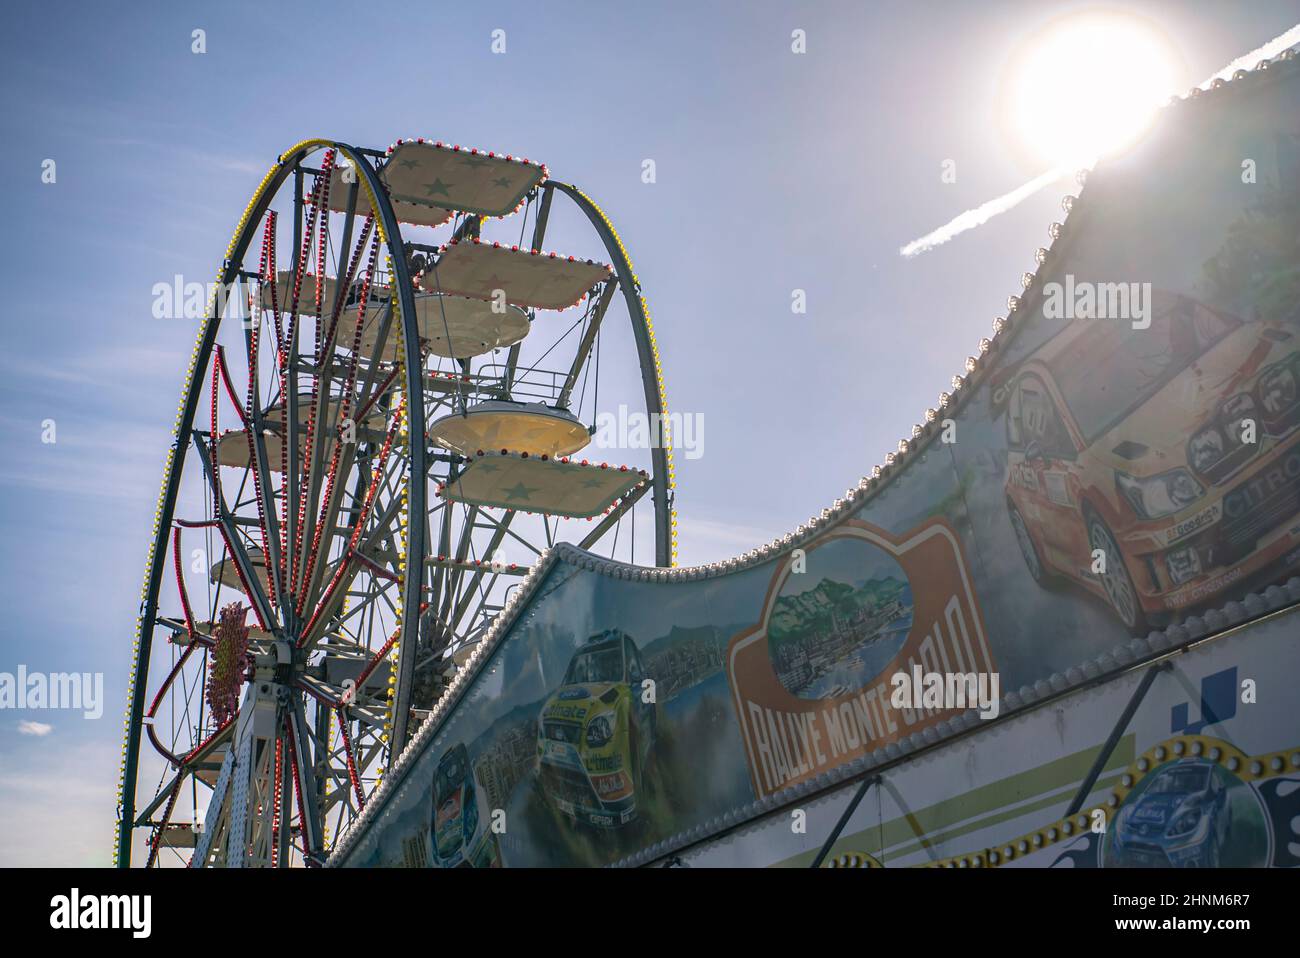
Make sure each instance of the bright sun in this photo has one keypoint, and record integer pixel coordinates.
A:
(1089, 84)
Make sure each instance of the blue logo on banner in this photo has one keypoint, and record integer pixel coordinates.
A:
(1218, 703)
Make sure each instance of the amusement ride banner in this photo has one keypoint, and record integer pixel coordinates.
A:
(1126, 455)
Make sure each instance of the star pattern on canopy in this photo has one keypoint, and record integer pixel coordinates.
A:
(520, 491)
(529, 280)
(456, 179)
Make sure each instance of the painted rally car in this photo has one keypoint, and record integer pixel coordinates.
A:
(461, 837)
(1182, 820)
(596, 735)
(1172, 449)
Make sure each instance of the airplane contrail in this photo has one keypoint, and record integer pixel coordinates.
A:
(1267, 52)
(981, 214)
(985, 212)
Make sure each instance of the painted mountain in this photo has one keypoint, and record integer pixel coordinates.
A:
(830, 637)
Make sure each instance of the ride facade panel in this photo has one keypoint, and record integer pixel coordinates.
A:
(1098, 530)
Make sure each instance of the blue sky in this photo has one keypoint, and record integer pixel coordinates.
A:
(774, 172)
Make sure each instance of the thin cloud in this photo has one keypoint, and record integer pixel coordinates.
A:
(69, 792)
(39, 729)
(711, 540)
(86, 462)
(122, 367)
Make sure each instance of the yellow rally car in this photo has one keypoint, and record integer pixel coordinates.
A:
(596, 735)
(1136, 442)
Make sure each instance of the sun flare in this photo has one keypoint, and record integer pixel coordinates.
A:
(1088, 85)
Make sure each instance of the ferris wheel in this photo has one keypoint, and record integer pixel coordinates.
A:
(390, 413)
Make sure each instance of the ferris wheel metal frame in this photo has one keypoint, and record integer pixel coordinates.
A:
(254, 783)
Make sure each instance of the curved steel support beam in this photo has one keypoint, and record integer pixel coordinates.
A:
(645, 353)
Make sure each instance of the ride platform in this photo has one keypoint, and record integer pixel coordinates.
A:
(512, 480)
(526, 278)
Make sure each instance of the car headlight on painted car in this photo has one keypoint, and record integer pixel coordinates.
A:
(1158, 496)
(1184, 823)
(1236, 411)
(1206, 448)
(600, 730)
(1227, 435)
(1278, 389)
(1188, 831)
